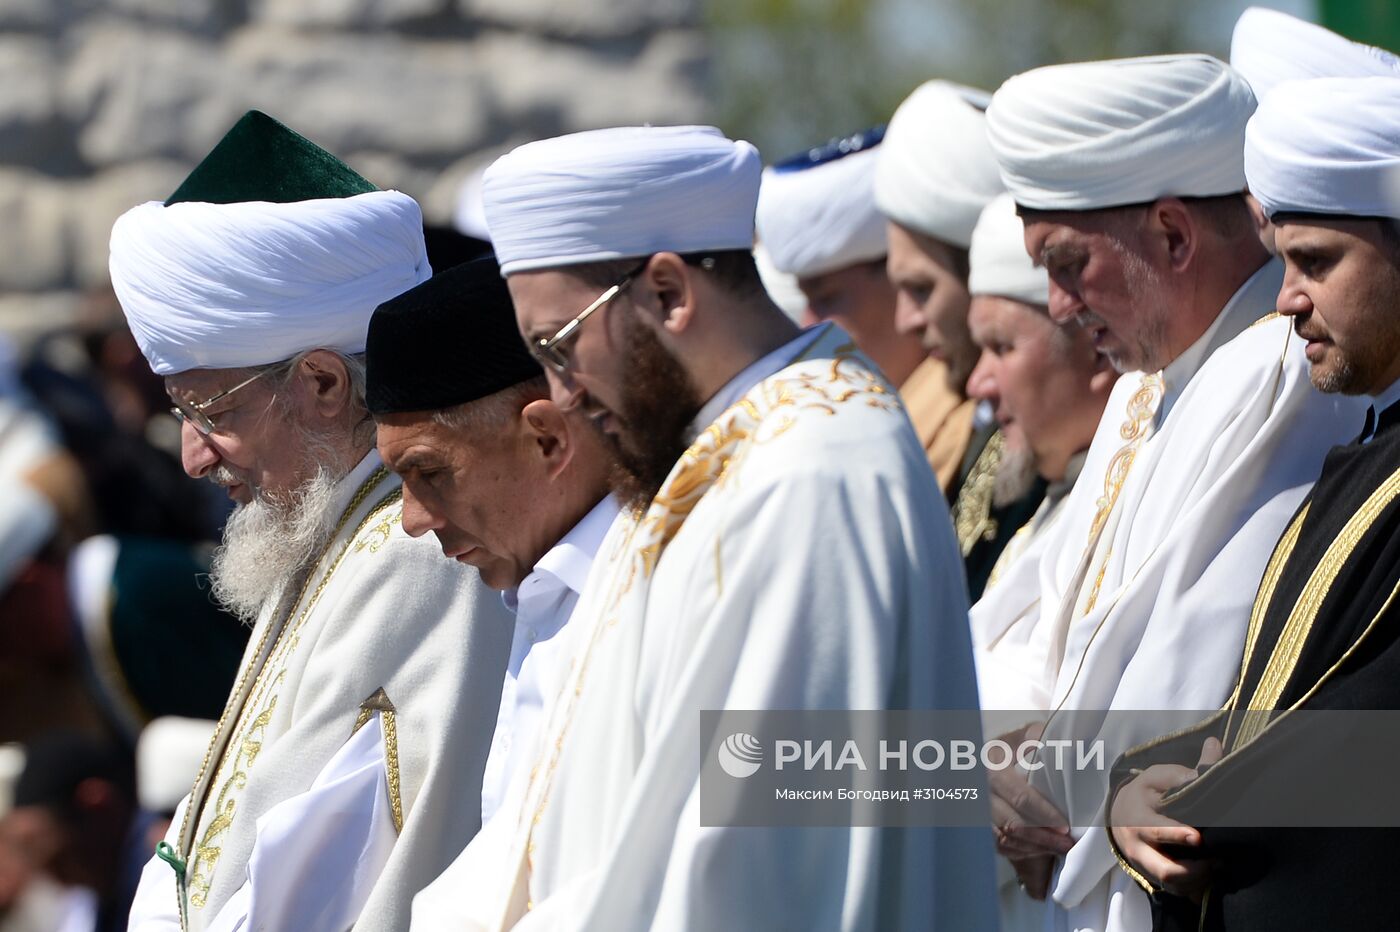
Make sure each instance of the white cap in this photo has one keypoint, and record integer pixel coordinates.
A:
(223, 286)
(936, 170)
(168, 755)
(620, 193)
(1110, 133)
(1327, 146)
(817, 217)
(1269, 47)
(999, 262)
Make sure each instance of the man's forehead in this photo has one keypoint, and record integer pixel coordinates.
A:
(993, 314)
(204, 381)
(545, 297)
(1299, 228)
(410, 436)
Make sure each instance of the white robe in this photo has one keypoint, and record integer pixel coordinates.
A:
(1152, 613)
(393, 615)
(820, 572)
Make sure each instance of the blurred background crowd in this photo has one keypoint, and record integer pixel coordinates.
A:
(106, 625)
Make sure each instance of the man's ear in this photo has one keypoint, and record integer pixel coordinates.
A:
(1171, 222)
(672, 285)
(325, 374)
(546, 431)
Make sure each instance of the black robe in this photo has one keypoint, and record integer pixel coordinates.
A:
(1345, 539)
(984, 529)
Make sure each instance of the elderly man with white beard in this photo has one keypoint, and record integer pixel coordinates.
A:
(363, 709)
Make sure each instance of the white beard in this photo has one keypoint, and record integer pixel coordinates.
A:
(270, 543)
(1015, 475)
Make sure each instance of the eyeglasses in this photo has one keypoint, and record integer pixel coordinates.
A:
(193, 412)
(550, 351)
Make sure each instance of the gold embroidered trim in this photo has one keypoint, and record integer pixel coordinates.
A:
(198, 852)
(972, 512)
(1133, 873)
(379, 534)
(1142, 409)
(389, 721)
(379, 704)
(1284, 657)
(1282, 551)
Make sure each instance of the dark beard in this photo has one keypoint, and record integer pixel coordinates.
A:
(658, 404)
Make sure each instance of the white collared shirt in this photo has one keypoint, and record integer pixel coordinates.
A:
(1378, 405)
(541, 648)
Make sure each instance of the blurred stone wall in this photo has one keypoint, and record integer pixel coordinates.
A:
(108, 103)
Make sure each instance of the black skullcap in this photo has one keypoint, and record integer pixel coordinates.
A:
(448, 248)
(448, 341)
(55, 763)
(262, 160)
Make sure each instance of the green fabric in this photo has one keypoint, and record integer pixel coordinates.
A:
(1375, 22)
(262, 160)
(175, 649)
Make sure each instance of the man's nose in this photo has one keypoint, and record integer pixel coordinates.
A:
(1065, 304)
(417, 519)
(909, 315)
(982, 383)
(197, 455)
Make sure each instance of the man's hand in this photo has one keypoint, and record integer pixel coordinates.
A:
(1141, 831)
(1034, 873)
(1027, 825)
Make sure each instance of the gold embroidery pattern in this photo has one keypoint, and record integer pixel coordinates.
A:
(750, 422)
(379, 534)
(1284, 657)
(972, 512)
(1272, 573)
(1142, 408)
(232, 771)
(709, 462)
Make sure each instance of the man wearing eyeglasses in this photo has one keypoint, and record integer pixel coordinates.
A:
(785, 548)
(364, 705)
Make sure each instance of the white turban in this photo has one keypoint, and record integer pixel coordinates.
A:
(1106, 134)
(1269, 47)
(782, 287)
(168, 755)
(821, 218)
(935, 170)
(999, 262)
(1327, 146)
(620, 193)
(222, 286)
